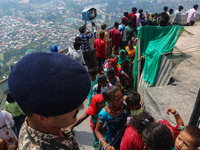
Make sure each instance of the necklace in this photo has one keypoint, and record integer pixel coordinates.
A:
(115, 112)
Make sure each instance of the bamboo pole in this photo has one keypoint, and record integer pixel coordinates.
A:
(139, 62)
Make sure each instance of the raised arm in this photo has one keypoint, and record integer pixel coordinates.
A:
(81, 119)
(177, 117)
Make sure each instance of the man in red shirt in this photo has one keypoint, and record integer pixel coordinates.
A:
(99, 45)
(133, 17)
(115, 36)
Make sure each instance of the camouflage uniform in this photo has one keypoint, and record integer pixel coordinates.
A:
(31, 139)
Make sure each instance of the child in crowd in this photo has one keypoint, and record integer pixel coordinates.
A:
(97, 104)
(112, 78)
(188, 139)
(115, 51)
(179, 122)
(101, 86)
(133, 103)
(93, 78)
(6, 132)
(18, 115)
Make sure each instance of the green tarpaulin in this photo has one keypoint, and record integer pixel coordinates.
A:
(155, 41)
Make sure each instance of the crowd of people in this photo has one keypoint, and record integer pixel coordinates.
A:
(49, 89)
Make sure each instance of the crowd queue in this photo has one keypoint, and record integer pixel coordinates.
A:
(48, 89)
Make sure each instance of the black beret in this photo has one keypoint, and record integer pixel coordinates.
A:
(49, 84)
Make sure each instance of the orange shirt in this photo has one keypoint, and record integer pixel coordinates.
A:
(131, 53)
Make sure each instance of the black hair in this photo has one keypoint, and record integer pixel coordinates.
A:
(157, 137)
(111, 71)
(92, 72)
(140, 121)
(156, 14)
(126, 14)
(140, 11)
(77, 45)
(124, 21)
(133, 98)
(82, 29)
(116, 24)
(194, 132)
(134, 9)
(78, 39)
(101, 78)
(103, 26)
(195, 6)
(9, 98)
(171, 10)
(108, 94)
(102, 34)
(180, 7)
(165, 8)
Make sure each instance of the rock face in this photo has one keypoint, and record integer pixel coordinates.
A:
(182, 92)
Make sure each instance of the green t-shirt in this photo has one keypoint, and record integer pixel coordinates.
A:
(136, 112)
(14, 109)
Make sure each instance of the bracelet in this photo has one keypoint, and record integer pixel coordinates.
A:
(105, 146)
(101, 140)
(175, 113)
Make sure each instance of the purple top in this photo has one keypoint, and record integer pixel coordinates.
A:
(191, 15)
(138, 19)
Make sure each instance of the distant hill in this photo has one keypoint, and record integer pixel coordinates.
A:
(38, 1)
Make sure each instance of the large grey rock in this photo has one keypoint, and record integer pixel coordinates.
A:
(182, 93)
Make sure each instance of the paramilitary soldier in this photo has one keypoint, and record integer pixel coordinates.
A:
(50, 88)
